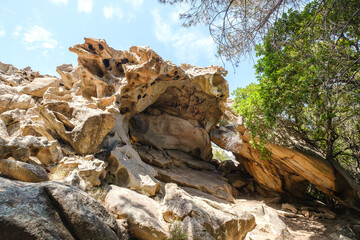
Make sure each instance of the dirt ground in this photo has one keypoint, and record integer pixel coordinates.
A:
(313, 226)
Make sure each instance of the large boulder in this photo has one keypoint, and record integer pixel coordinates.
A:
(39, 86)
(268, 223)
(51, 210)
(219, 220)
(22, 171)
(10, 101)
(129, 171)
(79, 125)
(142, 213)
(180, 214)
(23, 148)
(89, 169)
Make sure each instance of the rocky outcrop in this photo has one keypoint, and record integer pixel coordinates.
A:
(52, 211)
(195, 217)
(289, 171)
(168, 106)
(134, 121)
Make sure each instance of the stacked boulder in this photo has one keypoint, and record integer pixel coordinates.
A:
(135, 132)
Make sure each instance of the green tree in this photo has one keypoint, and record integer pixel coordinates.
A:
(308, 90)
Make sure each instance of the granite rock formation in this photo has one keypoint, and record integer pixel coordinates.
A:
(135, 132)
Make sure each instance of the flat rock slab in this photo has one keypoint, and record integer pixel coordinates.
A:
(190, 161)
(206, 181)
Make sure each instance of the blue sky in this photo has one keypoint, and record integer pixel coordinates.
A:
(38, 33)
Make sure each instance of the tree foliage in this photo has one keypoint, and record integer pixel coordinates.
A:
(308, 89)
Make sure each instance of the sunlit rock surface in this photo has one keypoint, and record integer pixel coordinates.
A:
(144, 126)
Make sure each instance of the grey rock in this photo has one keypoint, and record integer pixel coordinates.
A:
(51, 210)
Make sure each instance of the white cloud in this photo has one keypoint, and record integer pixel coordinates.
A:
(85, 6)
(17, 31)
(2, 31)
(111, 12)
(190, 44)
(59, 1)
(135, 3)
(36, 37)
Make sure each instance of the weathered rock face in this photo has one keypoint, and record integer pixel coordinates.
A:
(164, 131)
(52, 211)
(130, 171)
(189, 100)
(220, 224)
(141, 212)
(288, 170)
(89, 169)
(22, 171)
(197, 217)
(268, 223)
(132, 119)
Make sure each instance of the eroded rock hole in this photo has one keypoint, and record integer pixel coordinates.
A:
(106, 62)
(124, 61)
(101, 47)
(119, 67)
(138, 123)
(91, 47)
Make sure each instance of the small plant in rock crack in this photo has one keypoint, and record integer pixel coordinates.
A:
(177, 232)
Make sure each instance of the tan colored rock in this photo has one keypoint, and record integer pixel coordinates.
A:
(327, 213)
(10, 102)
(190, 161)
(164, 131)
(38, 86)
(141, 212)
(187, 96)
(66, 71)
(130, 171)
(82, 127)
(217, 219)
(11, 76)
(3, 130)
(288, 206)
(236, 179)
(5, 89)
(229, 166)
(22, 171)
(154, 157)
(268, 224)
(88, 168)
(206, 181)
(289, 170)
(21, 148)
(198, 216)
